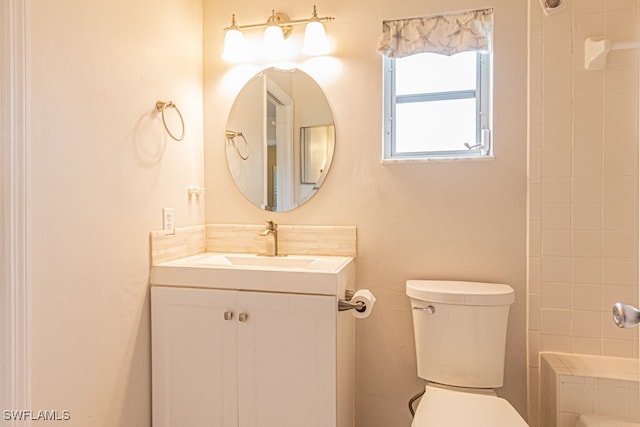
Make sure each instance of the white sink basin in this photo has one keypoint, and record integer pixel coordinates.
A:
(264, 261)
(258, 261)
(325, 275)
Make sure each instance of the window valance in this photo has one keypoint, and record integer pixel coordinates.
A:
(445, 34)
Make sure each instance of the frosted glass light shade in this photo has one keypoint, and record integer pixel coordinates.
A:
(234, 47)
(273, 41)
(315, 39)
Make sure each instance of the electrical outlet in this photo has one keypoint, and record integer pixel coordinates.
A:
(168, 218)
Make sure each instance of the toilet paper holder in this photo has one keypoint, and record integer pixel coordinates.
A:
(346, 304)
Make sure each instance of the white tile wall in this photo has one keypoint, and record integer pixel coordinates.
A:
(577, 384)
(583, 185)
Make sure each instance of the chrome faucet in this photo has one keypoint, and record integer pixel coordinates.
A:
(271, 228)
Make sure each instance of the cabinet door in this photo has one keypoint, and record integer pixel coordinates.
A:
(194, 358)
(286, 360)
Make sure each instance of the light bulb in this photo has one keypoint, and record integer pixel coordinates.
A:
(273, 41)
(234, 48)
(315, 39)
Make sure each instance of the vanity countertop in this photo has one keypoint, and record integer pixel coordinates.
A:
(305, 274)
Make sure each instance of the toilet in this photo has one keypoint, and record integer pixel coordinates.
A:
(460, 331)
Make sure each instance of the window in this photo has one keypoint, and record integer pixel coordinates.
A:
(437, 86)
(437, 105)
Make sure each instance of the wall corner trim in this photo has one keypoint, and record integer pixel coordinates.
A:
(14, 146)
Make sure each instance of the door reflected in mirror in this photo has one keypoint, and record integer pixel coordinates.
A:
(280, 139)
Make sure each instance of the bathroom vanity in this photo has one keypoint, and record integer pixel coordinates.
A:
(251, 341)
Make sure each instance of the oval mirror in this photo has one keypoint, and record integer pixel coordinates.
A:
(280, 139)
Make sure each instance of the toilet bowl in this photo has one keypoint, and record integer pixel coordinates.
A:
(451, 408)
(460, 334)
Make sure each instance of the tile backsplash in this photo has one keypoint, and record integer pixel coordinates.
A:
(292, 239)
(185, 242)
(244, 238)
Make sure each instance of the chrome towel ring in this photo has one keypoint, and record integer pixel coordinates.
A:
(161, 106)
(231, 137)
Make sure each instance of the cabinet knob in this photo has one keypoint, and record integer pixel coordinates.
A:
(243, 317)
(228, 315)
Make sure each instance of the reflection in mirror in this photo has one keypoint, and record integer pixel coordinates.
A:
(316, 147)
(284, 121)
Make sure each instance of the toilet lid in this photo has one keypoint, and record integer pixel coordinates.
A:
(450, 408)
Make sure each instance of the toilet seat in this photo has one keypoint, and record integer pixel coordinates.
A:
(451, 408)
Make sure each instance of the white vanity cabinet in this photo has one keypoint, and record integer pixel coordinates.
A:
(230, 358)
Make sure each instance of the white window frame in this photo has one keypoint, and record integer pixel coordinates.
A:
(482, 148)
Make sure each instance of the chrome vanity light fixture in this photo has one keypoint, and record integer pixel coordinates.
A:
(277, 28)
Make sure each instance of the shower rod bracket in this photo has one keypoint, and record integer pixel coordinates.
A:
(597, 49)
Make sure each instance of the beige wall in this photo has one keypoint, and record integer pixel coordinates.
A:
(583, 184)
(450, 220)
(100, 171)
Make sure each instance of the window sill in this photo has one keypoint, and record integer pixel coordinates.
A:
(438, 159)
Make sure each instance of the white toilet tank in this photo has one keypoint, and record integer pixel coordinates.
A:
(460, 331)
